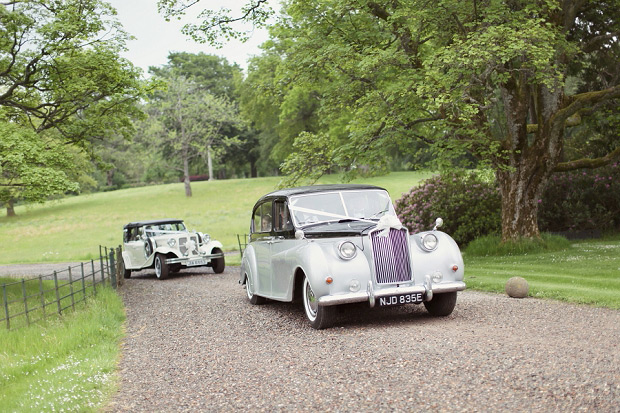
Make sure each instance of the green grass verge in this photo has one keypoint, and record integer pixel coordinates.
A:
(72, 229)
(68, 363)
(585, 273)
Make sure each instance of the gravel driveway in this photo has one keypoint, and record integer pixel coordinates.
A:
(194, 343)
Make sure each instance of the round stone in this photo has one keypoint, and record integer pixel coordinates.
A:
(517, 287)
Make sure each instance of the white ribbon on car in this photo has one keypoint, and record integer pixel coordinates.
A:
(386, 222)
(328, 214)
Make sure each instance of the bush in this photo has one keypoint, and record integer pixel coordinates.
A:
(582, 200)
(469, 205)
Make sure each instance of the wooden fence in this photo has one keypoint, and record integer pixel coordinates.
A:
(31, 300)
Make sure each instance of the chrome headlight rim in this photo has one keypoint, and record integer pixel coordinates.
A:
(172, 242)
(429, 242)
(347, 250)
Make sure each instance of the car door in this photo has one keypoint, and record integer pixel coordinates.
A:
(283, 240)
(134, 246)
(261, 239)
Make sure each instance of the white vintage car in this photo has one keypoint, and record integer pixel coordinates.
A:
(168, 246)
(337, 244)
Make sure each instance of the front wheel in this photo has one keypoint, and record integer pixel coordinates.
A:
(249, 290)
(162, 270)
(441, 305)
(320, 317)
(218, 263)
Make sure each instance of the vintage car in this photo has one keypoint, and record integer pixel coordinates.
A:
(168, 246)
(328, 245)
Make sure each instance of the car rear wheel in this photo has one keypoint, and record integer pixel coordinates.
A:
(124, 270)
(441, 305)
(249, 290)
(320, 317)
(218, 263)
(162, 270)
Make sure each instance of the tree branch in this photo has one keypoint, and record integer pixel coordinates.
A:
(588, 163)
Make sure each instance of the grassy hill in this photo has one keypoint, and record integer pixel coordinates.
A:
(73, 228)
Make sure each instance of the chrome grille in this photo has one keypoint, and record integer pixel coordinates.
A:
(391, 256)
(183, 245)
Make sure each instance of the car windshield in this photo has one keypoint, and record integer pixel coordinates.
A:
(367, 205)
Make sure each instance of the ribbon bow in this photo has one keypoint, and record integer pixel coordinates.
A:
(386, 222)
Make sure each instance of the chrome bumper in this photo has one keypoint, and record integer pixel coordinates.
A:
(184, 260)
(428, 289)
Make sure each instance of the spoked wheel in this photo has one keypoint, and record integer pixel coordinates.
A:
(441, 305)
(218, 263)
(162, 270)
(249, 290)
(319, 316)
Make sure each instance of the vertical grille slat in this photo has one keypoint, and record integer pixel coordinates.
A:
(391, 256)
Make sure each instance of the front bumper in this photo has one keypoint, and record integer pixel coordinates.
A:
(370, 295)
(195, 260)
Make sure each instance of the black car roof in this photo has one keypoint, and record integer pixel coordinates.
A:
(287, 192)
(152, 222)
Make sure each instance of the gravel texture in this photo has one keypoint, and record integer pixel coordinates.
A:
(194, 343)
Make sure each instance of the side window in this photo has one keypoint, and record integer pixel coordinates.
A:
(262, 219)
(282, 218)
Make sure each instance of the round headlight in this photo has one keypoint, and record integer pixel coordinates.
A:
(172, 242)
(347, 250)
(205, 238)
(429, 242)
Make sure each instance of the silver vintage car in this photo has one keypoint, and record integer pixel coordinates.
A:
(167, 246)
(337, 244)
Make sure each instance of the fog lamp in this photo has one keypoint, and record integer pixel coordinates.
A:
(354, 286)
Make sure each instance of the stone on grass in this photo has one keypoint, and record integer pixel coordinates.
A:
(517, 287)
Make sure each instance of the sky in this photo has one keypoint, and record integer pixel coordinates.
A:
(155, 37)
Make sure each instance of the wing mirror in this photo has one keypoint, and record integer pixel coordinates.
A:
(438, 223)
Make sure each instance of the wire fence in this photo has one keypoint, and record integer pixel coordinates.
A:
(32, 300)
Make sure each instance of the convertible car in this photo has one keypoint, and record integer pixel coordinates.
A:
(167, 246)
(329, 245)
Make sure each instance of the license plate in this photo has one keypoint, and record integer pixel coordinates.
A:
(400, 299)
(196, 262)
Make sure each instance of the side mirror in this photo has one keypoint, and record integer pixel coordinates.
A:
(438, 223)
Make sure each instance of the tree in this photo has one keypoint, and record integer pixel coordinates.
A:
(192, 121)
(486, 78)
(31, 168)
(61, 74)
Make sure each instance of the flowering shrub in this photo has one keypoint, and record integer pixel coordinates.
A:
(469, 206)
(582, 200)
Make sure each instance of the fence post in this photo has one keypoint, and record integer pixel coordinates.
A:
(42, 294)
(6, 307)
(112, 269)
(71, 289)
(92, 266)
(83, 280)
(57, 293)
(101, 264)
(25, 297)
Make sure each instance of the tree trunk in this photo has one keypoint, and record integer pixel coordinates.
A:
(253, 169)
(110, 177)
(10, 209)
(210, 162)
(188, 188)
(521, 192)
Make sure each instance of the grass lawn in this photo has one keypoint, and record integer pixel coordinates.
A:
(66, 364)
(73, 228)
(588, 273)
